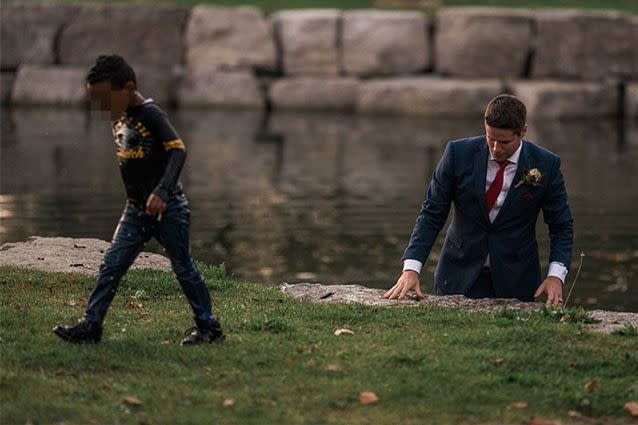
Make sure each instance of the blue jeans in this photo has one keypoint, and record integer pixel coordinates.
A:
(134, 229)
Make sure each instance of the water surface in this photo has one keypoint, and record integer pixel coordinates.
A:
(321, 197)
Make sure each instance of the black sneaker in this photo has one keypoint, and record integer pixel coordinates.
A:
(82, 332)
(203, 335)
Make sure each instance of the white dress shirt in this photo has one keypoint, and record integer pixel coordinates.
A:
(556, 268)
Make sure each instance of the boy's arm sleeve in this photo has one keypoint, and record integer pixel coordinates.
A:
(163, 132)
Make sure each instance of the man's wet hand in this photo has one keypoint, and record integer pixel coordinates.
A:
(409, 281)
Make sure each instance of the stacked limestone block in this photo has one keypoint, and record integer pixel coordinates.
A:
(224, 46)
(564, 64)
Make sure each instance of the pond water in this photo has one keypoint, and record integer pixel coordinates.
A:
(330, 198)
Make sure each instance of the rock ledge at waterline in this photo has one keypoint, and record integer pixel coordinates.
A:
(84, 255)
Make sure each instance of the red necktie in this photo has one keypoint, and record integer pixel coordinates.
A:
(495, 187)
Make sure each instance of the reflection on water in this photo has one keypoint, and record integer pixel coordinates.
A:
(319, 197)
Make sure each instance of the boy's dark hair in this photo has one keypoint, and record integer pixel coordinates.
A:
(507, 112)
(111, 68)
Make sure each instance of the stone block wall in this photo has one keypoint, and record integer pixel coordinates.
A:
(564, 64)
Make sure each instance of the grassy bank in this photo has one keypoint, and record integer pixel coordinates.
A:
(269, 6)
(445, 366)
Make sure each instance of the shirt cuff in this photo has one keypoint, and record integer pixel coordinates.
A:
(557, 269)
(414, 265)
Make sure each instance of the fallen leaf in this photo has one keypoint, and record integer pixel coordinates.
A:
(228, 402)
(131, 400)
(106, 385)
(267, 402)
(367, 397)
(135, 304)
(333, 367)
(591, 385)
(343, 331)
(632, 408)
(519, 405)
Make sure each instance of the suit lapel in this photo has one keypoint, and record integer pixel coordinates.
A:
(523, 165)
(480, 172)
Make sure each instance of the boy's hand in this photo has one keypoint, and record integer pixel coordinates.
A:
(155, 205)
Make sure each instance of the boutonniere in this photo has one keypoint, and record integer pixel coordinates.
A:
(531, 177)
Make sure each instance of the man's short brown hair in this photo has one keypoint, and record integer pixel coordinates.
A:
(507, 112)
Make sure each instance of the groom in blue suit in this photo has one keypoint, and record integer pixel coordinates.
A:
(498, 184)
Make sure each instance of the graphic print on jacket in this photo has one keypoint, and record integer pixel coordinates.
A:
(150, 152)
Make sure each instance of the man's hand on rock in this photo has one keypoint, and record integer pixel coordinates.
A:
(553, 287)
(408, 281)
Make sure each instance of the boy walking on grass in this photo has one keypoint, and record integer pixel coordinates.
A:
(151, 156)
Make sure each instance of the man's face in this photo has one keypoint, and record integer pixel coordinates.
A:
(503, 142)
(106, 98)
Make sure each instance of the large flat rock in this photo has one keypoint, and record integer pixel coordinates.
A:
(232, 89)
(304, 93)
(562, 99)
(144, 34)
(229, 38)
(427, 96)
(480, 42)
(69, 255)
(384, 42)
(329, 294)
(36, 85)
(585, 45)
(308, 41)
(28, 32)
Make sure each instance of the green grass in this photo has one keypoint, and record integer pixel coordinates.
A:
(439, 364)
(269, 6)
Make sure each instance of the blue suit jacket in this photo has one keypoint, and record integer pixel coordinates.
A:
(459, 180)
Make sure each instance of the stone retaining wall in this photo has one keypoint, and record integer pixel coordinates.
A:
(567, 64)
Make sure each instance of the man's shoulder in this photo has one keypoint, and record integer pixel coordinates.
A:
(467, 145)
(469, 141)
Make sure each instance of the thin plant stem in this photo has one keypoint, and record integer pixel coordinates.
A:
(582, 255)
